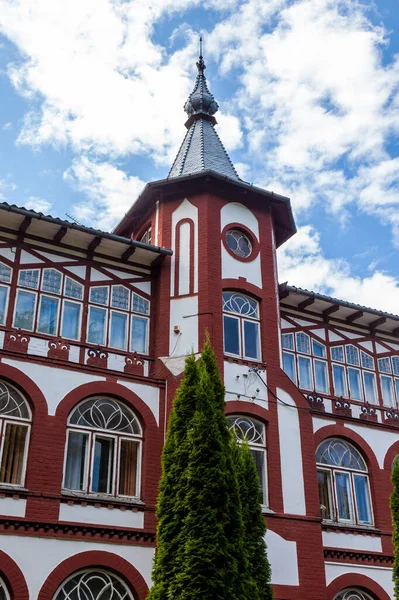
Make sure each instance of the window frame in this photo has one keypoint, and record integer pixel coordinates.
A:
(241, 329)
(61, 323)
(4, 421)
(6, 286)
(325, 363)
(57, 320)
(34, 319)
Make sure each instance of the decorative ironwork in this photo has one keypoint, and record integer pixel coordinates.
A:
(105, 413)
(315, 401)
(338, 453)
(392, 415)
(59, 349)
(248, 430)
(97, 357)
(369, 412)
(16, 341)
(12, 403)
(239, 243)
(352, 594)
(343, 407)
(93, 585)
(134, 364)
(240, 304)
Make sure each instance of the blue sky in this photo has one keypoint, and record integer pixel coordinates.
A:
(92, 94)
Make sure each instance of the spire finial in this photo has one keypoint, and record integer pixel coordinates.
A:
(200, 64)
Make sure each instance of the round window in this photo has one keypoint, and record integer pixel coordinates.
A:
(239, 243)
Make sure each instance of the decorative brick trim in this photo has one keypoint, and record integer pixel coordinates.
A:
(353, 556)
(58, 349)
(134, 364)
(97, 357)
(16, 341)
(14, 578)
(355, 580)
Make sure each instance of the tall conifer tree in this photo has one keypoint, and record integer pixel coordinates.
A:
(395, 524)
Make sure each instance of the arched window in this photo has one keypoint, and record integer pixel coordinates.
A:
(343, 480)
(15, 418)
(241, 326)
(103, 452)
(4, 595)
(94, 584)
(352, 594)
(253, 432)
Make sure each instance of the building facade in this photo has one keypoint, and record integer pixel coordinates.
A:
(94, 330)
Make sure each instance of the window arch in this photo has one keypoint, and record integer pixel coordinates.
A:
(253, 432)
(343, 481)
(103, 451)
(352, 594)
(4, 594)
(96, 584)
(15, 419)
(241, 326)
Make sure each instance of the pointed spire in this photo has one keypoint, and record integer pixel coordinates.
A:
(202, 149)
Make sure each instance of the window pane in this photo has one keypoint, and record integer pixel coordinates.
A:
(99, 295)
(120, 297)
(369, 387)
(259, 458)
(337, 353)
(395, 364)
(76, 459)
(305, 376)
(384, 365)
(289, 365)
(73, 289)
(231, 335)
(251, 339)
(118, 330)
(51, 281)
(387, 390)
(139, 335)
(29, 279)
(48, 315)
(103, 465)
(339, 380)
(352, 355)
(140, 304)
(287, 341)
(397, 390)
(5, 273)
(324, 483)
(362, 498)
(367, 361)
(3, 303)
(320, 373)
(318, 349)
(355, 390)
(24, 310)
(128, 468)
(96, 334)
(71, 320)
(303, 343)
(344, 496)
(12, 459)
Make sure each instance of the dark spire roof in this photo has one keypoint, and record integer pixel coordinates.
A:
(201, 149)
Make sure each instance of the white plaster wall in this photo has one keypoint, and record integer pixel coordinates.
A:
(319, 422)
(53, 382)
(51, 552)
(290, 455)
(379, 440)
(38, 346)
(350, 541)
(148, 394)
(181, 310)
(12, 507)
(1, 339)
(234, 212)
(184, 262)
(186, 210)
(101, 516)
(238, 380)
(8, 253)
(283, 559)
(144, 286)
(381, 575)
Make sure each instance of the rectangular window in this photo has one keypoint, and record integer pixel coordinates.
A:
(118, 334)
(140, 304)
(51, 281)
(355, 389)
(251, 340)
(318, 349)
(103, 463)
(231, 335)
(48, 315)
(97, 325)
(397, 390)
(29, 279)
(76, 461)
(24, 310)
(339, 381)
(320, 375)
(259, 458)
(324, 483)
(337, 353)
(3, 303)
(362, 499)
(289, 365)
(305, 373)
(387, 390)
(70, 327)
(13, 454)
(302, 343)
(139, 335)
(370, 387)
(120, 297)
(384, 365)
(287, 341)
(128, 468)
(344, 496)
(99, 295)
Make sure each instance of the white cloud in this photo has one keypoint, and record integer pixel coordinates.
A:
(109, 191)
(38, 204)
(6, 186)
(7, 126)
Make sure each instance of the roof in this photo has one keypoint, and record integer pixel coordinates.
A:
(349, 313)
(201, 149)
(66, 234)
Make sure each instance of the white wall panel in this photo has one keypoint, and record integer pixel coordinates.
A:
(234, 212)
(148, 394)
(283, 558)
(12, 507)
(101, 516)
(333, 539)
(381, 575)
(186, 210)
(379, 440)
(184, 314)
(239, 380)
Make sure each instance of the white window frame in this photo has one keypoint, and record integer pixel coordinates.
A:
(4, 588)
(65, 295)
(297, 333)
(57, 327)
(331, 491)
(243, 319)
(393, 405)
(99, 434)
(360, 379)
(86, 461)
(129, 299)
(80, 304)
(42, 281)
(94, 287)
(374, 374)
(138, 441)
(295, 381)
(352, 518)
(323, 361)
(141, 316)
(7, 288)
(3, 424)
(340, 366)
(127, 330)
(29, 291)
(38, 280)
(307, 357)
(105, 338)
(232, 316)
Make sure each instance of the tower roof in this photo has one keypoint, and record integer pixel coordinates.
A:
(201, 149)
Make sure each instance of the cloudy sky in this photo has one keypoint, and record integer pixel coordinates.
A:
(91, 108)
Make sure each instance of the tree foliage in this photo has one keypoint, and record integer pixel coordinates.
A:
(395, 524)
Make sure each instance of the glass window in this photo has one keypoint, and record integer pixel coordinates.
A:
(99, 295)
(241, 331)
(239, 243)
(318, 349)
(321, 378)
(287, 341)
(4, 595)
(302, 342)
(146, 237)
(352, 594)
(97, 325)
(340, 466)
(305, 373)
(355, 389)
(73, 289)
(29, 279)
(251, 339)
(352, 355)
(337, 353)
(140, 305)
(51, 281)
(289, 365)
(387, 391)
(118, 334)
(3, 303)
(114, 435)
(120, 297)
(139, 335)
(370, 387)
(339, 381)
(70, 327)
(15, 417)
(367, 360)
(95, 584)
(231, 335)
(5, 273)
(24, 310)
(48, 315)
(384, 365)
(397, 390)
(395, 364)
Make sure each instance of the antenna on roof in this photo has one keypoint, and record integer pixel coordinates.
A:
(200, 49)
(74, 220)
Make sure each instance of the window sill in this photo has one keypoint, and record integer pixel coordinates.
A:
(266, 510)
(15, 491)
(349, 528)
(106, 499)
